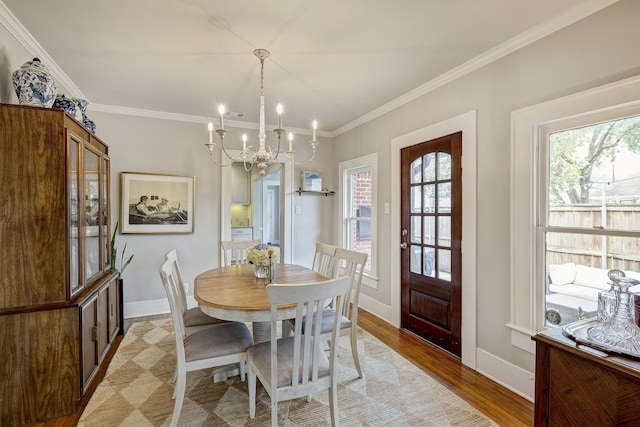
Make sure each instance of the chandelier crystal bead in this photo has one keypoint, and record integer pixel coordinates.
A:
(264, 155)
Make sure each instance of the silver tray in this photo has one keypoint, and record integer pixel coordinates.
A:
(578, 331)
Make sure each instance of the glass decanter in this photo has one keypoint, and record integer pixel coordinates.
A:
(607, 299)
(620, 331)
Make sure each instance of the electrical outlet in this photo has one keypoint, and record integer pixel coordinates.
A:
(186, 287)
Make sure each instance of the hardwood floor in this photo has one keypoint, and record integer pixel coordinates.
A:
(495, 401)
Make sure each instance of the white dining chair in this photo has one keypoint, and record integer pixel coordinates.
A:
(235, 251)
(194, 318)
(350, 264)
(297, 366)
(217, 345)
(323, 259)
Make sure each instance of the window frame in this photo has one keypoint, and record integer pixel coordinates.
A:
(346, 169)
(529, 128)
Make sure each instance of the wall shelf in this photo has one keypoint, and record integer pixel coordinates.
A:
(318, 193)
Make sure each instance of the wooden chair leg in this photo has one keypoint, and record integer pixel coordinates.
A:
(354, 350)
(252, 394)
(179, 396)
(274, 412)
(333, 401)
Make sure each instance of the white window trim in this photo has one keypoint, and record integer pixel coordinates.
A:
(527, 129)
(370, 160)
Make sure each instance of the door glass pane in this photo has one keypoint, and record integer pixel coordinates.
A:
(416, 252)
(429, 167)
(429, 198)
(416, 232)
(429, 230)
(444, 231)
(444, 197)
(74, 258)
(444, 166)
(429, 262)
(416, 171)
(416, 199)
(91, 214)
(444, 264)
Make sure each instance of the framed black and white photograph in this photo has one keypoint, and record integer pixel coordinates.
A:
(311, 181)
(156, 204)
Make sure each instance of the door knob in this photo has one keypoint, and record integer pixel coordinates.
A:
(403, 245)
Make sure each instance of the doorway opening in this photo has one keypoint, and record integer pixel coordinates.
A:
(267, 207)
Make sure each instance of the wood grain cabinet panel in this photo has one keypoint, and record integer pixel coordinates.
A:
(580, 386)
(56, 283)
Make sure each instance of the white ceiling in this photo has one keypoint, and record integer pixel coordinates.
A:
(337, 61)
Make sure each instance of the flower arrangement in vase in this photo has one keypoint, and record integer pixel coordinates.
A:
(263, 256)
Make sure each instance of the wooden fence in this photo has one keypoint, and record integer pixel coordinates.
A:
(586, 249)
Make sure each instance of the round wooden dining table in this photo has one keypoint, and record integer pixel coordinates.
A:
(234, 293)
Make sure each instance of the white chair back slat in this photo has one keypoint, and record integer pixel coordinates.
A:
(323, 259)
(235, 251)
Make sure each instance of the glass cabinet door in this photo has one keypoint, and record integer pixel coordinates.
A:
(105, 223)
(74, 214)
(91, 224)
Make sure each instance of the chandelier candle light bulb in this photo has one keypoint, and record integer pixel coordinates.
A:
(313, 133)
(290, 136)
(279, 110)
(221, 112)
(210, 133)
(244, 142)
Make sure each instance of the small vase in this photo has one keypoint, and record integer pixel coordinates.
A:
(34, 84)
(261, 271)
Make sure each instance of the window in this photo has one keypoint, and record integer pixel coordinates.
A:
(589, 212)
(557, 233)
(358, 209)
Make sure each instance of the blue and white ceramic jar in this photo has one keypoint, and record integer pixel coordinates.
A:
(34, 84)
(81, 104)
(89, 124)
(70, 106)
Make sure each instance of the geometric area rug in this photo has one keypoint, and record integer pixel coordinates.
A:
(136, 391)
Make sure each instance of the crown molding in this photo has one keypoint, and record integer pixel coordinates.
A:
(534, 34)
(163, 115)
(15, 27)
(577, 13)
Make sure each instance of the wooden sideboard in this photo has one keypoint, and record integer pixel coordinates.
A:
(59, 296)
(577, 385)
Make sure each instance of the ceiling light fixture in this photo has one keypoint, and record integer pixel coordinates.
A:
(264, 155)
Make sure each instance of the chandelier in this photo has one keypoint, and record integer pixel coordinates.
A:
(264, 155)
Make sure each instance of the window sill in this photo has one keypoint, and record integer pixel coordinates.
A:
(521, 338)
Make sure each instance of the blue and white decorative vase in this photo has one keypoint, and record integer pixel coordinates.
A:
(81, 104)
(70, 106)
(34, 84)
(89, 124)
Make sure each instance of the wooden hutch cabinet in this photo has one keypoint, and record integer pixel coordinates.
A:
(59, 296)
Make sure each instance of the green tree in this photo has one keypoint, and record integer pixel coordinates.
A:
(573, 155)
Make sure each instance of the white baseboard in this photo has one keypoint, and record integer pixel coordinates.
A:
(151, 307)
(375, 307)
(516, 379)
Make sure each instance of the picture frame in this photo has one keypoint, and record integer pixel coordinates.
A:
(311, 181)
(156, 203)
